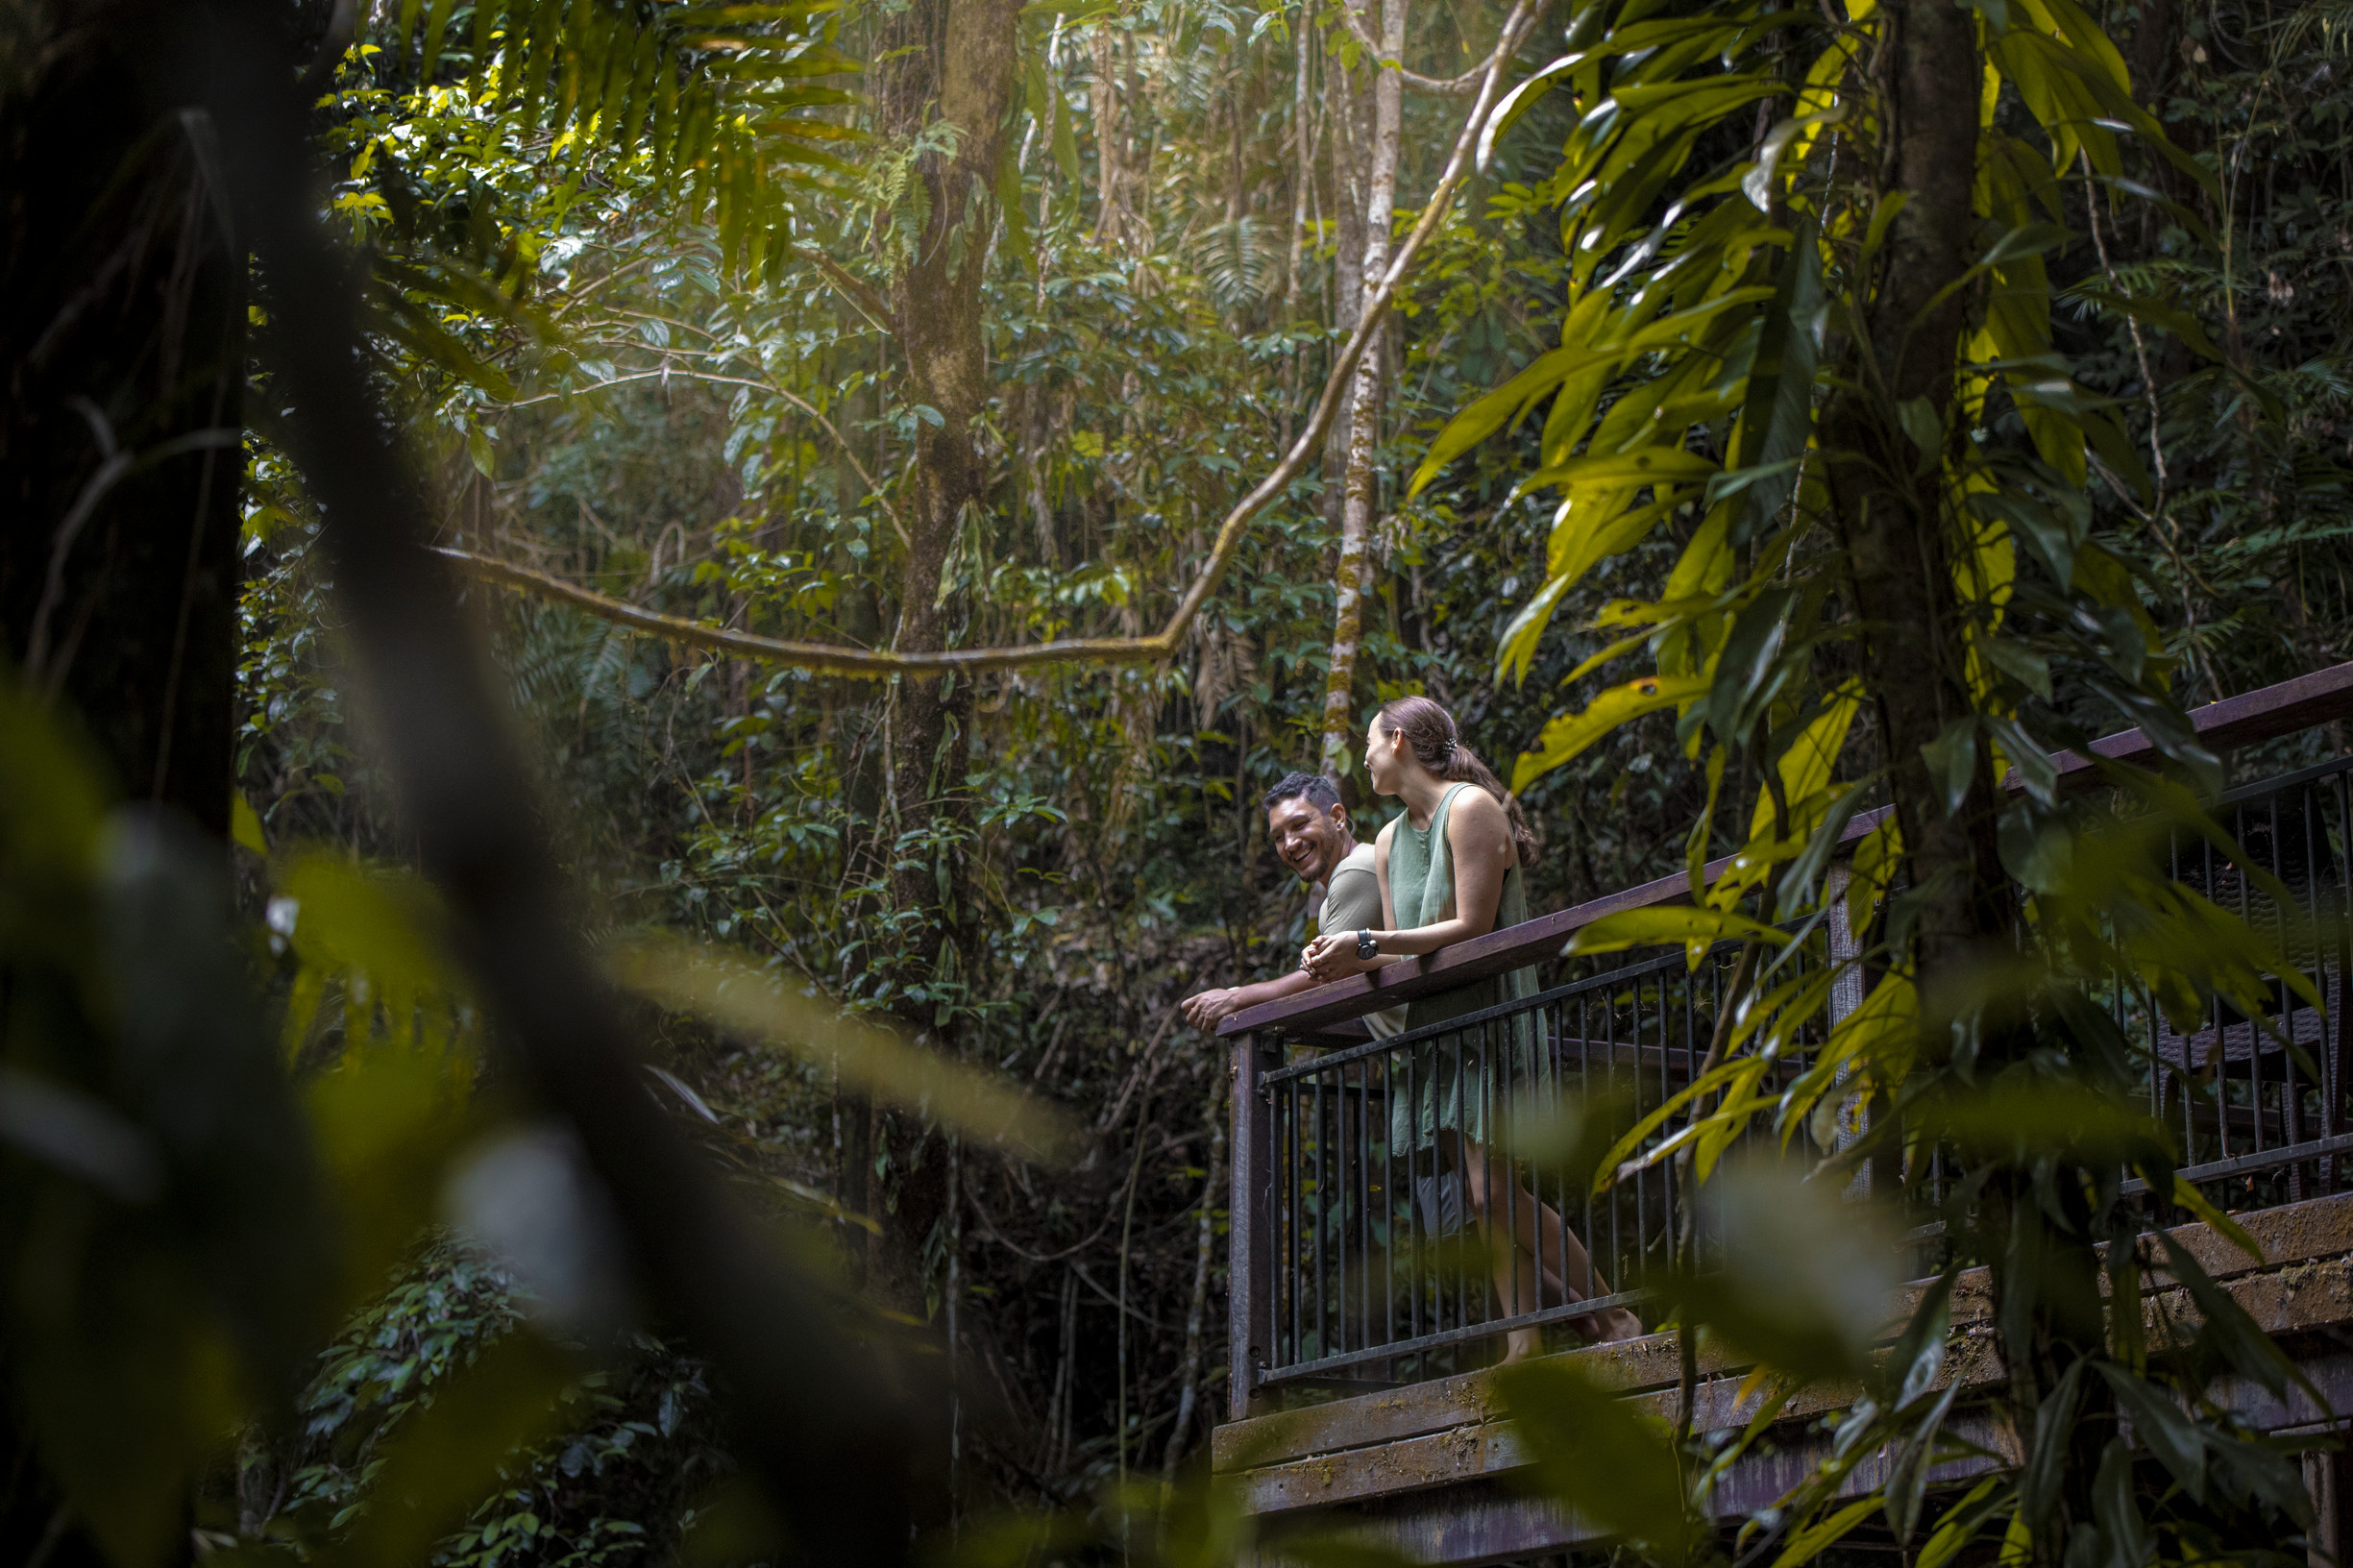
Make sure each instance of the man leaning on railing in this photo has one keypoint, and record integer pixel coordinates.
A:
(1312, 835)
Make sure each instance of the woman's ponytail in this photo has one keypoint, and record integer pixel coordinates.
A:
(1429, 729)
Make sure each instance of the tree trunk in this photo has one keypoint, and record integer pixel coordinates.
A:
(123, 345)
(1106, 96)
(1343, 116)
(954, 61)
(1891, 510)
(1889, 498)
(1303, 174)
(1361, 483)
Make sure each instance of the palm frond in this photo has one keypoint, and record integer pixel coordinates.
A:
(728, 104)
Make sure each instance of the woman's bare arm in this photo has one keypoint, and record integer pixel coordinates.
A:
(1478, 842)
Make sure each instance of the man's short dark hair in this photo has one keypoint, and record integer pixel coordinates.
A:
(1315, 788)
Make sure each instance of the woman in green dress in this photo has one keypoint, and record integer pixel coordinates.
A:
(1450, 870)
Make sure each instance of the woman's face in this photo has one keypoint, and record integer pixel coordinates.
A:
(1380, 750)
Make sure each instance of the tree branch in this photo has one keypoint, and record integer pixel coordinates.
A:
(769, 388)
(1161, 645)
(1464, 86)
(872, 305)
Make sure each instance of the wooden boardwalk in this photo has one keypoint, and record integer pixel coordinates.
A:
(1429, 1469)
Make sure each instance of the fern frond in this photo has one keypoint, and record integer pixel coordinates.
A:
(729, 103)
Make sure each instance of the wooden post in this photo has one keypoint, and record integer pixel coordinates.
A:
(1250, 1238)
(2325, 1478)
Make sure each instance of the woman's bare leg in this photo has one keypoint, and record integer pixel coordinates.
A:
(1568, 1269)
(1545, 1257)
(1515, 1265)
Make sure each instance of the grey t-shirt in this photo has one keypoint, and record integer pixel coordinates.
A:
(1352, 902)
(1352, 897)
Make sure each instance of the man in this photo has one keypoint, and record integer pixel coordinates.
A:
(1312, 834)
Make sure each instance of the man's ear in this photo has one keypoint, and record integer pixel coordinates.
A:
(1337, 811)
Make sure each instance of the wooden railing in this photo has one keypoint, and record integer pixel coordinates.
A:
(2306, 702)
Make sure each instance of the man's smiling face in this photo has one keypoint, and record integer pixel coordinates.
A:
(1311, 839)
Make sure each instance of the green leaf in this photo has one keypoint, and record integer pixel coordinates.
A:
(1810, 1543)
(1009, 204)
(2118, 1510)
(1065, 142)
(2018, 661)
(1952, 761)
(1649, 465)
(1778, 419)
(2188, 1196)
(1568, 735)
(1923, 427)
(863, 1048)
(2252, 1353)
(1907, 1473)
(1961, 1522)
(2155, 313)
(2054, 1428)
(245, 827)
(1696, 929)
(2161, 1424)
(1592, 1452)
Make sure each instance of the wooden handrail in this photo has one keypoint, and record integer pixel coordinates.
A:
(2303, 704)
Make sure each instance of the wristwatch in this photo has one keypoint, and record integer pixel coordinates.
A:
(1367, 949)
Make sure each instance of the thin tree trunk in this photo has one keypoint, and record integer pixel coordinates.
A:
(1205, 1239)
(1107, 225)
(1303, 174)
(955, 61)
(1347, 142)
(1359, 486)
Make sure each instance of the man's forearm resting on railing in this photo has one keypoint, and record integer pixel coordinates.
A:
(1207, 1009)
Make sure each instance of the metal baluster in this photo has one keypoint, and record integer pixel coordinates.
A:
(1363, 1146)
(1584, 1085)
(1292, 1230)
(1413, 1218)
(2333, 1072)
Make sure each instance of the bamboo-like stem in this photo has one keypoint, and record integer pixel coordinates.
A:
(1365, 401)
(881, 664)
(1205, 1235)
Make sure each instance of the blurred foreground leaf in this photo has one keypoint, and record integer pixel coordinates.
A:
(869, 1052)
(1792, 1273)
(1591, 1449)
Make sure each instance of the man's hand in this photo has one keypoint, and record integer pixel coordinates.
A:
(1332, 956)
(1207, 1009)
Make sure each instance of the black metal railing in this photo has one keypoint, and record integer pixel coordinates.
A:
(2258, 1110)
(1397, 1212)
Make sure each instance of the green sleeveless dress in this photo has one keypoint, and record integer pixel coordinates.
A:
(1449, 1088)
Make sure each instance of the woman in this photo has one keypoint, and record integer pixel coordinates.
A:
(1449, 870)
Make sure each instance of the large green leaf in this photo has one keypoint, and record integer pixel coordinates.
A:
(1570, 734)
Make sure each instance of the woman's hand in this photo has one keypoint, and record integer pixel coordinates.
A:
(1331, 956)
